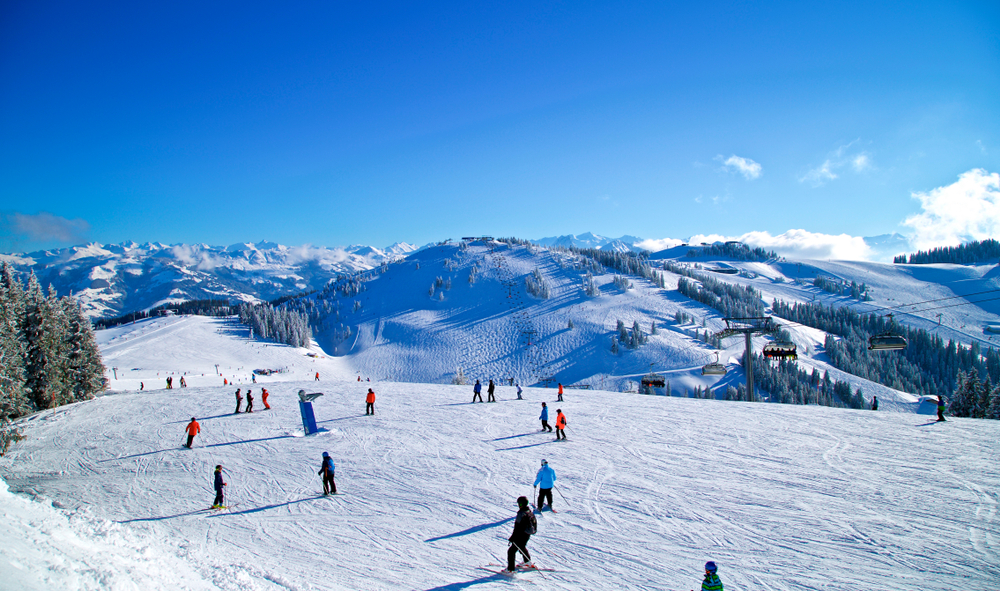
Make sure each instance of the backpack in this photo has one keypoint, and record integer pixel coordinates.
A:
(532, 524)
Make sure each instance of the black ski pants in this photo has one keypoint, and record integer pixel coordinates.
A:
(477, 395)
(218, 496)
(544, 493)
(560, 434)
(369, 408)
(239, 401)
(329, 486)
(490, 397)
(249, 405)
(546, 427)
(190, 441)
(517, 544)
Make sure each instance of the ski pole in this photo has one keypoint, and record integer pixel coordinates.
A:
(560, 494)
(526, 555)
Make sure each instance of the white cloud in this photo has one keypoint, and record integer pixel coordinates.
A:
(818, 176)
(843, 157)
(745, 166)
(796, 244)
(968, 209)
(194, 256)
(45, 227)
(658, 244)
(802, 244)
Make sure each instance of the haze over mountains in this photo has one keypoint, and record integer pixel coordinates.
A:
(115, 279)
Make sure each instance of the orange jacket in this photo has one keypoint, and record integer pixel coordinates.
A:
(371, 397)
(193, 428)
(560, 389)
(560, 421)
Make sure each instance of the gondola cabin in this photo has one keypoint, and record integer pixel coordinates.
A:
(653, 384)
(886, 342)
(992, 328)
(780, 350)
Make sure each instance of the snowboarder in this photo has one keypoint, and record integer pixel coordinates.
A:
(545, 418)
(560, 424)
(545, 480)
(711, 582)
(327, 472)
(184, 383)
(559, 395)
(317, 376)
(249, 401)
(477, 392)
(239, 399)
(170, 383)
(263, 398)
(940, 406)
(219, 483)
(193, 428)
(874, 402)
(524, 527)
(519, 392)
(370, 402)
(489, 392)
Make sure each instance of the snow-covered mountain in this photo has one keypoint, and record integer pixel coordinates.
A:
(118, 278)
(591, 240)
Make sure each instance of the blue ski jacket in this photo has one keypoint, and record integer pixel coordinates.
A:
(477, 388)
(327, 465)
(545, 414)
(218, 481)
(546, 477)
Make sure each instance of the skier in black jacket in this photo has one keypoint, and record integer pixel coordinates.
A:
(524, 526)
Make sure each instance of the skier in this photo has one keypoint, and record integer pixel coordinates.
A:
(489, 392)
(239, 400)
(874, 402)
(184, 383)
(519, 392)
(225, 382)
(327, 472)
(711, 582)
(545, 418)
(370, 402)
(317, 376)
(219, 483)
(170, 383)
(559, 396)
(940, 406)
(253, 377)
(477, 392)
(141, 386)
(560, 424)
(249, 401)
(192, 429)
(263, 398)
(545, 480)
(524, 527)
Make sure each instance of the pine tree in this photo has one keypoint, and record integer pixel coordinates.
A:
(14, 400)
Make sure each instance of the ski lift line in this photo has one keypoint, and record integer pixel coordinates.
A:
(788, 323)
(968, 295)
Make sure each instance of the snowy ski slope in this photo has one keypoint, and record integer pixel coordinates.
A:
(782, 497)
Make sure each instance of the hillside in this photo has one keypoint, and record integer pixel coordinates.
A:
(782, 497)
(109, 280)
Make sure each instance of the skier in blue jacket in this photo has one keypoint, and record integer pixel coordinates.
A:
(545, 480)
(477, 392)
(545, 418)
(219, 483)
(327, 472)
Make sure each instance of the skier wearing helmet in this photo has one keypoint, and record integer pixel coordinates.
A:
(327, 472)
(545, 480)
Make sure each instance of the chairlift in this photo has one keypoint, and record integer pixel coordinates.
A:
(653, 383)
(887, 341)
(780, 350)
(714, 368)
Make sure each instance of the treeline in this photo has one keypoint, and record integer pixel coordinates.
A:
(970, 253)
(734, 301)
(734, 250)
(278, 324)
(193, 307)
(855, 290)
(928, 365)
(978, 399)
(48, 355)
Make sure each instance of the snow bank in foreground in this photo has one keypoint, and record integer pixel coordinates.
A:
(48, 548)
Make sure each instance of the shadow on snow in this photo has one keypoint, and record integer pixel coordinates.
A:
(471, 530)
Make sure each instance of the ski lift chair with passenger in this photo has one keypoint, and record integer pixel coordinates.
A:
(780, 350)
(653, 383)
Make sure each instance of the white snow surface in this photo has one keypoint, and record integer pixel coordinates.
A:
(649, 488)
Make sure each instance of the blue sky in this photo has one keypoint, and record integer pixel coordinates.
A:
(331, 123)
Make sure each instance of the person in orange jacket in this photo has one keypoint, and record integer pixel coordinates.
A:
(560, 424)
(193, 428)
(559, 396)
(263, 398)
(317, 376)
(370, 402)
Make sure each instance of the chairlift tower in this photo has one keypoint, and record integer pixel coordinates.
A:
(748, 327)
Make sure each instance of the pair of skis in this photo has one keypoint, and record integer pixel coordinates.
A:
(501, 569)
